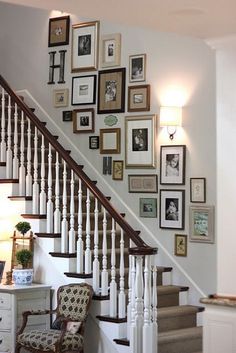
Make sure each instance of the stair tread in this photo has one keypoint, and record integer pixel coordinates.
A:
(170, 289)
(179, 310)
(176, 335)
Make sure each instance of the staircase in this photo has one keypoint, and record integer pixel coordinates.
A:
(90, 241)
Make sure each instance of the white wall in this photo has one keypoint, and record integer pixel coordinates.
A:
(178, 67)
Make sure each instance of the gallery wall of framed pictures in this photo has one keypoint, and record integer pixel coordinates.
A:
(104, 89)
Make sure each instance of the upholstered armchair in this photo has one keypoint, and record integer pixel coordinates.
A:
(66, 334)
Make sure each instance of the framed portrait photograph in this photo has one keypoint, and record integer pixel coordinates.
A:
(181, 242)
(117, 170)
(139, 98)
(110, 45)
(67, 115)
(172, 207)
(144, 183)
(109, 141)
(198, 190)
(148, 207)
(201, 224)
(172, 164)
(83, 90)
(83, 120)
(94, 142)
(111, 91)
(140, 133)
(58, 31)
(60, 97)
(137, 68)
(84, 56)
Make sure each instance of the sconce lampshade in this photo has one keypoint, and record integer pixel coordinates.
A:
(170, 116)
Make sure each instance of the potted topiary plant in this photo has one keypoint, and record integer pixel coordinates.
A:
(24, 274)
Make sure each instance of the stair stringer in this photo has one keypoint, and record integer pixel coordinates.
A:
(164, 257)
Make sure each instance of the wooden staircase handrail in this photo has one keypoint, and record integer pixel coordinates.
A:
(131, 233)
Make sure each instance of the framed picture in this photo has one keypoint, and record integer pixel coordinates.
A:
(109, 141)
(83, 90)
(2, 265)
(117, 170)
(139, 98)
(145, 183)
(60, 97)
(140, 141)
(172, 209)
(172, 164)
(181, 244)
(137, 68)
(110, 50)
(201, 225)
(85, 46)
(148, 207)
(94, 142)
(198, 190)
(111, 91)
(83, 120)
(107, 164)
(58, 31)
(67, 115)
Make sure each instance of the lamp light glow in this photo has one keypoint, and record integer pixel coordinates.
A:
(171, 117)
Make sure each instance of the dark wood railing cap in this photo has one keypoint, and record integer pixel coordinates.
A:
(143, 250)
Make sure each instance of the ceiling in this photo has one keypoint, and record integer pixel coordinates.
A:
(198, 18)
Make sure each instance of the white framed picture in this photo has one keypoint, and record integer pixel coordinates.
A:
(110, 47)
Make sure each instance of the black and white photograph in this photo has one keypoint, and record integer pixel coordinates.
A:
(148, 207)
(140, 139)
(94, 142)
(172, 163)
(83, 90)
(67, 115)
(172, 203)
(139, 98)
(83, 120)
(137, 68)
(84, 52)
(84, 45)
(111, 89)
(110, 46)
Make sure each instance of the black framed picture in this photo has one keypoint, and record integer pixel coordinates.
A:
(94, 142)
(58, 31)
(172, 206)
(67, 115)
(83, 90)
(172, 164)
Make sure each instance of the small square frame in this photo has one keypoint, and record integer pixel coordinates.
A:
(67, 115)
(94, 142)
(172, 165)
(60, 97)
(201, 224)
(143, 183)
(148, 207)
(111, 91)
(172, 209)
(110, 141)
(140, 141)
(84, 53)
(137, 68)
(110, 46)
(181, 244)
(83, 90)
(83, 120)
(58, 31)
(139, 98)
(198, 190)
(117, 170)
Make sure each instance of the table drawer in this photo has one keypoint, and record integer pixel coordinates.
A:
(5, 301)
(5, 342)
(5, 319)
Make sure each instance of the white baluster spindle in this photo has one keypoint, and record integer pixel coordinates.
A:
(42, 196)
(154, 312)
(22, 158)
(49, 202)
(28, 174)
(72, 215)
(3, 126)
(121, 302)
(64, 223)
(35, 184)
(9, 150)
(129, 306)
(139, 302)
(147, 328)
(104, 280)
(113, 284)
(133, 328)
(88, 258)
(57, 212)
(80, 243)
(96, 264)
(15, 149)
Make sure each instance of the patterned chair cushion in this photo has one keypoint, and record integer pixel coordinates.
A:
(45, 340)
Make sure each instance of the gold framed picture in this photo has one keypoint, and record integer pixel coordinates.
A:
(139, 98)
(117, 170)
(109, 141)
(110, 50)
(83, 120)
(60, 97)
(181, 244)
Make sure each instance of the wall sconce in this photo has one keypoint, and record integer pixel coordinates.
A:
(170, 117)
